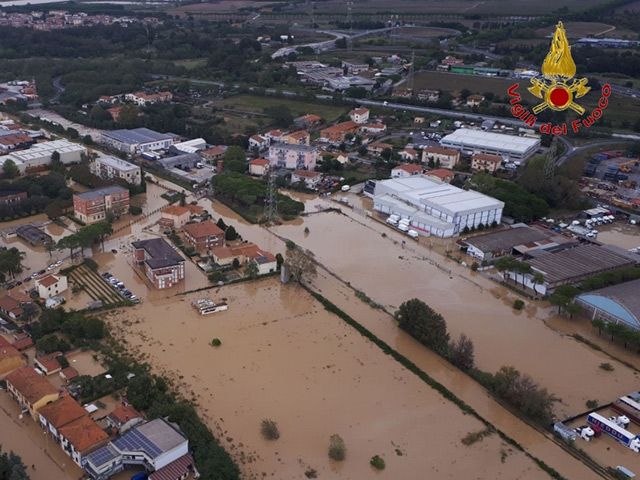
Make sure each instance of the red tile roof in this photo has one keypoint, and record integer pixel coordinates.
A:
(176, 210)
(31, 385)
(48, 280)
(441, 151)
(49, 362)
(259, 161)
(123, 413)
(176, 469)
(63, 411)
(8, 351)
(441, 173)
(487, 157)
(359, 111)
(203, 229)
(306, 174)
(23, 343)
(409, 168)
(69, 373)
(84, 434)
(10, 305)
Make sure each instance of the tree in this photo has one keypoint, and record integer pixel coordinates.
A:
(221, 224)
(56, 164)
(230, 234)
(11, 261)
(300, 263)
(11, 467)
(337, 448)
(281, 115)
(52, 343)
(235, 159)
(54, 210)
(461, 353)
(251, 270)
(424, 324)
(10, 169)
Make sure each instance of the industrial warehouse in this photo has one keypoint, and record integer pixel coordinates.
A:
(617, 303)
(435, 208)
(509, 147)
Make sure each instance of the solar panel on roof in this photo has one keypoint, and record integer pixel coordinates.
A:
(133, 440)
(102, 456)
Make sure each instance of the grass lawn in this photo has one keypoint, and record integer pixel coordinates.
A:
(254, 103)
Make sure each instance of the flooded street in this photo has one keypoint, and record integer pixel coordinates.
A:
(284, 357)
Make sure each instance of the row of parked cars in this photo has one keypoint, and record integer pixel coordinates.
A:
(50, 267)
(120, 287)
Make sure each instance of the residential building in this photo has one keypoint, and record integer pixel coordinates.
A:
(22, 341)
(174, 216)
(162, 265)
(485, 162)
(215, 153)
(337, 133)
(474, 100)
(38, 157)
(274, 135)
(10, 358)
(224, 256)
(310, 179)
(440, 174)
(409, 154)
(435, 208)
(137, 140)
(405, 170)
(80, 437)
(301, 137)
(258, 142)
(441, 157)
(292, 157)
(124, 417)
(359, 115)
(619, 304)
(510, 147)
(158, 446)
(30, 390)
(258, 167)
(266, 262)
(203, 236)
(12, 197)
(309, 120)
(10, 307)
(68, 374)
(94, 205)
(373, 128)
(376, 148)
(48, 363)
(54, 416)
(108, 167)
(142, 99)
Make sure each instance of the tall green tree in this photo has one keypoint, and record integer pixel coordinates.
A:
(10, 169)
(424, 324)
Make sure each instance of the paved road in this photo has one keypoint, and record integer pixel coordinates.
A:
(572, 151)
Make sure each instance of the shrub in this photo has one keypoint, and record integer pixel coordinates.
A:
(377, 462)
(337, 448)
(518, 304)
(216, 342)
(269, 429)
(591, 404)
(91, 264)
(135, 210)
(473, 437)
(475, 266)
(607, 367)
(216, 277)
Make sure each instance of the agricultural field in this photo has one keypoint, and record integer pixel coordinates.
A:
(451, 82)
(94, 285)
(221, 6)
(257, 104)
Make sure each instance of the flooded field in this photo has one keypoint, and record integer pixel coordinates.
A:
(390, 273)
(284, 357)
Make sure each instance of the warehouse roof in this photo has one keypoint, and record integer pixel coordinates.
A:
(466, 137)
(419, 190)
(504, 240)
(621, 301)
(137, 136)
(46, 149)
(577, 263)
(117, 163)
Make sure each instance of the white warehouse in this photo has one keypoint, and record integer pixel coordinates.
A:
(435, 208)
(510, 147)
(39, 155)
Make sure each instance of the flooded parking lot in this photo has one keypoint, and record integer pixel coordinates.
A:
(284, 357)
(623, 235)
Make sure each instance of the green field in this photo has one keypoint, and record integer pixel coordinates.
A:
(257, 104)
(450, 82)
(191, 63)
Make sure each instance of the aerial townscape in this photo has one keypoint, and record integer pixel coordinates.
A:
(333, 239)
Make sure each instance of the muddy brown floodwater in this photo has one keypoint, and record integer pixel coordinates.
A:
(284, 357)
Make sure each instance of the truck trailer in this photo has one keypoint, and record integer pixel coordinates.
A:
(625, 437)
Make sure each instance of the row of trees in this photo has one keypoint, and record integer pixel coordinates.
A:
(85, 237)
(520, 391)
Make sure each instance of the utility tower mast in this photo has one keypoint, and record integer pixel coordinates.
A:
(410, 81)
(349, 20)
(271, 206)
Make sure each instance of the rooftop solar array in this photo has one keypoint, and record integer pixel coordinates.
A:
(133, 440)
(102, 455)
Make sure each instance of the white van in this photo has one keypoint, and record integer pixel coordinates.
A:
(403, 227)
(412, 233)
(392, 221)
(345, 188)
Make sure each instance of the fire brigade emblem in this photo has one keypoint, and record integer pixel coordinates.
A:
(558, 88)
